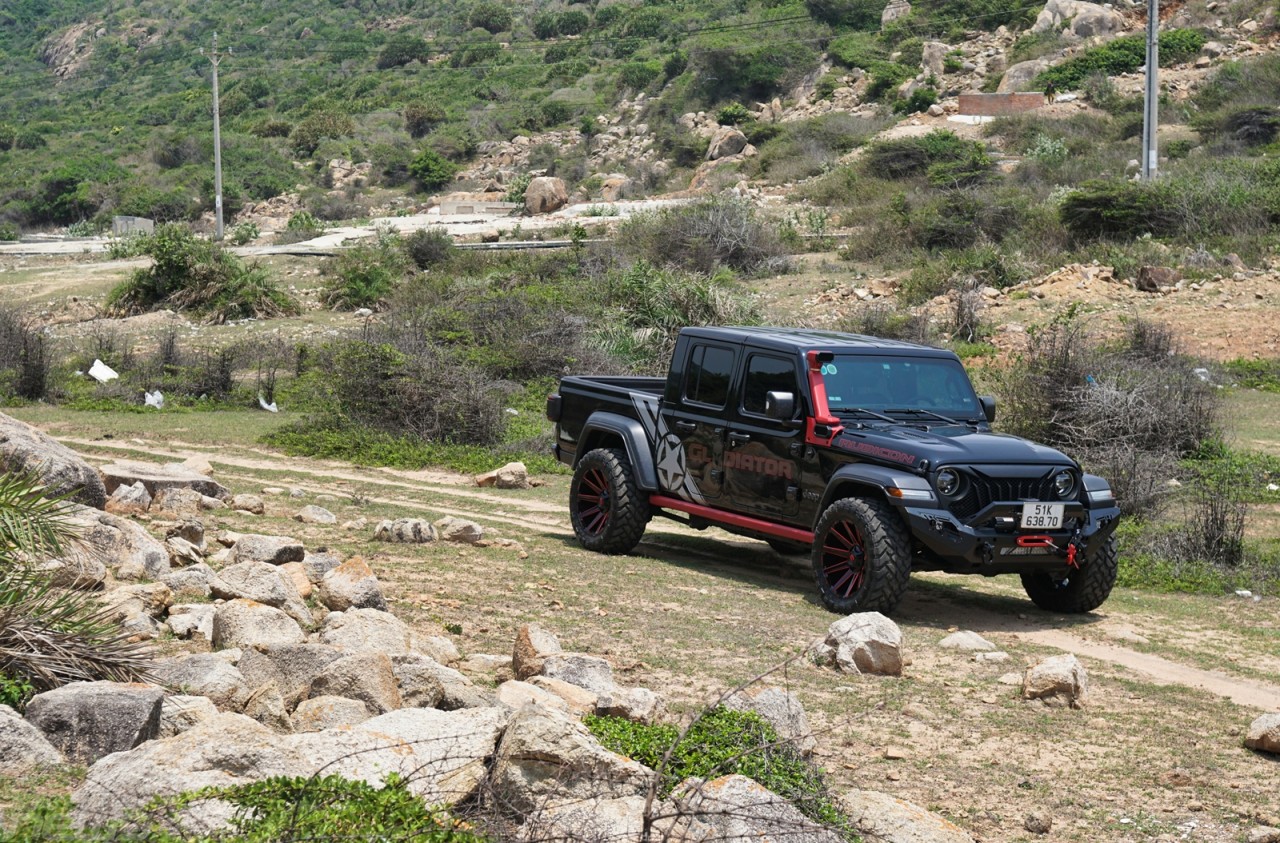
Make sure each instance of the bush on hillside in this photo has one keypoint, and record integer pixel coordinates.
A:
(862, 15)
(943, 157)
(432, 170)
(402, 48)
(1121, 55)
(365, 274)
(306, 136)
(428, 247)
(491, 16)
(24, 357)
(196, 275)
(421, 117)
(704, 236)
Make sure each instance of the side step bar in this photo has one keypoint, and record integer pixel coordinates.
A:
(746, 522)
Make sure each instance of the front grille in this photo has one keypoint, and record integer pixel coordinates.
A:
(983, 490)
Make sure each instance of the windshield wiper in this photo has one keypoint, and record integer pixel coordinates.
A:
(860, 411)
(930, 413)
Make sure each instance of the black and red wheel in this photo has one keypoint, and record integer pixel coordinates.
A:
(608, 510)
(1079, 591)
(861, 557)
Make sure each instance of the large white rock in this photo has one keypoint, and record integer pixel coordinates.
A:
(545, 194)
(312, 514)
(351, 585)
(22, 745)
(533, 646)
(274, 550)
(405, 531)
(326, 712)
(129, 500)
(636, 704)
(620, 819)
(548, 754)
(726, 141)
(1057, 680)
(881, 818)
(1264, 733)
(781, 709)
(180, 712)
(75, 570)
(246, 623)
(740, 809)
(1019, 76)
(158, 478)
(367, 677)
(192, 620)
(358, 630)
(590, 672)
(459, 530)
(128, 550)
(291, 668)
(966, 641)
(1077, 19)
(25, 450)
(206, 674)
(513, 475)
(87, 720)
(264, 583)
(419, 677)
(864, 642)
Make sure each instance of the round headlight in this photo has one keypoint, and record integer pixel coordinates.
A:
(948, 482)
(1064, 483)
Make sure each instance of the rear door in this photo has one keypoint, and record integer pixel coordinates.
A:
(764, 458)
(691, 429)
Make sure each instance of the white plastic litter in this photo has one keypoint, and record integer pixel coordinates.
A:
(512, 411)
(1272, 487)
(101, 372)
(270, 408)
(154, 399)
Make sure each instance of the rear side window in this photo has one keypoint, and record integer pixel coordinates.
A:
(766, 374)
(706, 380)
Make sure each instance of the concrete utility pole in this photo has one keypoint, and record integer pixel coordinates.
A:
(1151, 103)
(217, 144)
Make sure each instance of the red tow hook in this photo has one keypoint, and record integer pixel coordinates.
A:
(1037, 541)
(1071, 555)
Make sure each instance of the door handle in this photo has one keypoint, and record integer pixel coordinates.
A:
(686, 426)
(739, 439)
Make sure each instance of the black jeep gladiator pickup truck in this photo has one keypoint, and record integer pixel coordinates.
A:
(874, 456)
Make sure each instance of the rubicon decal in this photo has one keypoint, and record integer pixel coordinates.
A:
(875, 451)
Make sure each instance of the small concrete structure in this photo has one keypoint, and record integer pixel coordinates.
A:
(473, 206)
(999, 105)
(125, 226)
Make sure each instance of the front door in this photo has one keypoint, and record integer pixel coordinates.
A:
(764, 457)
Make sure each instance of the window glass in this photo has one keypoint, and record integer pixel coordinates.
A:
(707, 379)
(766, 374)
(890, 383)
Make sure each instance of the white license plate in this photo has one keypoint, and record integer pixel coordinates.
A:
(1042, 516)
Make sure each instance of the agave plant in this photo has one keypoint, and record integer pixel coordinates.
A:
(51, 636)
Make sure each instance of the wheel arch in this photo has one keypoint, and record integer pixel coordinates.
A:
(610, 430)
(868, 481)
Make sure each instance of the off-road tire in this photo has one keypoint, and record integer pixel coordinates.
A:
(788, 548)
(1081, 591)
(885, 557)
(608, 511)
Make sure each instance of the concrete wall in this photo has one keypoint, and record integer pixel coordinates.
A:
(999, 105)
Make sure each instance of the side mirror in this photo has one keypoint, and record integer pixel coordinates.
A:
(988, 403)
(780, 405)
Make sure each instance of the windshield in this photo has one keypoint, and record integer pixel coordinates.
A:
(889, 384)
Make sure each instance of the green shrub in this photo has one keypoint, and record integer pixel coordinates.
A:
(572, 22)
(1255, 374)
(733, 114)
(942, 155)
(432, 170)
(8, 232)
(857, 49)
(636, 75)
(365, 274)
(1121, 55)
(920, 100)
(402, 48)
(245, 232)
(516, 190)
(421, 117)
(15, 691)
(428, 247)
(306, 136)
(703, 236)
(491, 16)
(854, 14)
(720, 743)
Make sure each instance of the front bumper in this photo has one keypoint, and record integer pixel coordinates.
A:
(958, 547)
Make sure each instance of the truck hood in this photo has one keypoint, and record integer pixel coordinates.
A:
(945, 444)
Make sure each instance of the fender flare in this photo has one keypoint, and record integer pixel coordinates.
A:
(875, 477)
(634, 440)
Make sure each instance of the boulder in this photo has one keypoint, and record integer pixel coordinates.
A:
(620, 819)
(726, 141)
(895, 10)
(639, 705)
(1264, 733)
(882, 818)
(590, 672)
(533, 645)
(547, 754)
(264, 583)
(274, 550)
(78, 570)
(266, 705)
(246, 623)
(129, 500)
(368, 677)
(460, 530)
(297, 574)
(292, 668)
(864, 642)
(436, 646)
(1057, 680)
(425, 682)
(192, 620)
(351, 585)
(739, 808)
(207, 675)
(1019, 76)
(966, 642)
(579, 700)
(513, 475)
(178, 713)
(933, 58)
(125, 548)
(179, 501)
(405, 531)
(362, 630)
(158, 478)
(781, 708)
(23, 746)
(1080, 20)
(150, 599)
(616, 188)
(88, 720)
(320, 713)
(248, 503)
(544, 195)
(182, 552)
(25, 450)
(1151, 279)
(190, 530)
(316, 565)
(515, 694)
(312, 514)
(192, 581)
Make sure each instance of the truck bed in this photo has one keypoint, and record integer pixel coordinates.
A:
(619, 384)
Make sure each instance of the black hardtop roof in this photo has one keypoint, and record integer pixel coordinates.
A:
(804, 339)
